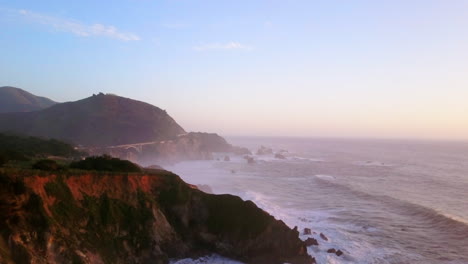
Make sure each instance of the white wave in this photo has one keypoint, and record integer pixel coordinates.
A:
(212, 259)
(372, 163)
(217, 174)
(325, 177)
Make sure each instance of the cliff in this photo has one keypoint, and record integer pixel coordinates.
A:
(150, 217)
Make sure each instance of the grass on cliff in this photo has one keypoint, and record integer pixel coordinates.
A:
(102, 224)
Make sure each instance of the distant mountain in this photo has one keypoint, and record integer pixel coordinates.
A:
(17, 100)
(100, 120)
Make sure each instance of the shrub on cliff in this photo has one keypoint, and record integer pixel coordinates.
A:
(47, 165)
(3, 160)
(105, 163)
(7, 155)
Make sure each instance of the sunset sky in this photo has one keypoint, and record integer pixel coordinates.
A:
(247, 67)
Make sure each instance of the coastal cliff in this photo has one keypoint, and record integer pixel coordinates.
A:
(148, 217)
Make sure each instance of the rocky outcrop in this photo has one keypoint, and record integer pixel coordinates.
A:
(322, 236)
(150, 217)
(240, 151)
(279, 156)
(249, 159)
(311, 242)
(334, 251)
(264, 151)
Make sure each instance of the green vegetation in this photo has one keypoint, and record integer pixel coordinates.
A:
(33, 146)
(229, 214)
(47, 165)
(107, 224)
(23, 148)
(105, 163)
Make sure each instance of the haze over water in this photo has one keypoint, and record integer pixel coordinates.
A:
(379, 201)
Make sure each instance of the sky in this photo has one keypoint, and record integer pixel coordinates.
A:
(298, 68)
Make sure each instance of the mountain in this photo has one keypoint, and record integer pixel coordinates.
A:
(17, 100)
(99, 120)
(148, 217)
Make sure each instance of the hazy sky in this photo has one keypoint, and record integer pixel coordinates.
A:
(244, 67)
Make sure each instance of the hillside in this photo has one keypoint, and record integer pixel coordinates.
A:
(148, 217)
(100, 120)
(17, 100)
(14, 148)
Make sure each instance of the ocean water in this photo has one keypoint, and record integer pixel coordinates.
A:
(379, 201)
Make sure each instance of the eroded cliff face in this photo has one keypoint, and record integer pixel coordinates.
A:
(79, 217)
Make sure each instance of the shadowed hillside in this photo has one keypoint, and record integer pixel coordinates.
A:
(100, 120)
(22, 148)
(17, 100)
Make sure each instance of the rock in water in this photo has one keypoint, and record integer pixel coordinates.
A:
(307, 231)
(240, 150)
(311, 242)
(279, 156)
(322, 236)
(250, 160)
(264, 151)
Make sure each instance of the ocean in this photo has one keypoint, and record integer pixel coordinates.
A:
(378, 201)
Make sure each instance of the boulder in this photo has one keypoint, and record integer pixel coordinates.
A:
(264, 151)
(250, 160)
(339, 253)
(240, 150)
(279, 156)
(331, 250)
(307, 231)
(322, 236)
(311, 242)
